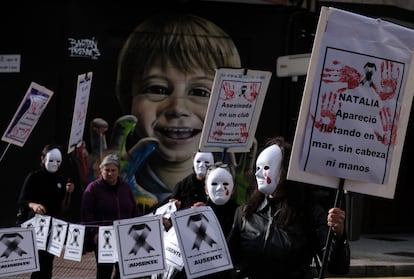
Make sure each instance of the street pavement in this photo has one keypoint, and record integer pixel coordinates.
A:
(382, 255)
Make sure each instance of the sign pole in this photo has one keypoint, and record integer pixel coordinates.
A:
(338, 199)
(4, 153)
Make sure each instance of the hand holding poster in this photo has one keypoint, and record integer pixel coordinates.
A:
(356, 104)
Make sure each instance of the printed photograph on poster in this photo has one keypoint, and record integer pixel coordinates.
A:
(352, 120)
(234, 109)
(27, 115)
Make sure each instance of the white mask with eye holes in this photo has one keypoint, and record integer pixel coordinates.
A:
(53, 159)
(268, 165)
(219, 184)
(202, 160)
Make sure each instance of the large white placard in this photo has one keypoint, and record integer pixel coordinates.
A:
(356, 104)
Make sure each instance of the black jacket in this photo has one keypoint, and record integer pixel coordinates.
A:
(261, 249)
(189, 191)
(42, 187)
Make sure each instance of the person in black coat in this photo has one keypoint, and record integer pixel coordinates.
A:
(45, 191)
(219, 189)
(191, 189)
(280, 229)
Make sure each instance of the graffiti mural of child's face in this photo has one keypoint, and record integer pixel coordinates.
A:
(171, 107)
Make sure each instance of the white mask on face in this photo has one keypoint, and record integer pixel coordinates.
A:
(202, 160)
(268, 166)
(53, 159)
(219, 185)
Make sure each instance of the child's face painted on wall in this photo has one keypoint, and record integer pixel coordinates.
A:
(171, 106)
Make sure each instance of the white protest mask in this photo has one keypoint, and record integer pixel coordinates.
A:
(268, 166)
(219, 185)
(202, 160)
(53, 159)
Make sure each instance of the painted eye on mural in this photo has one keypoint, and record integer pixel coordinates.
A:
(158, 90)
(200, 92)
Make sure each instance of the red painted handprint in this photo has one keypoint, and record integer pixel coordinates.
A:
(253, 92)
(218, 132)
(244, 133)
(345, 74)
(389, 80)
(328, 112)
(229, 92)
(389, 135)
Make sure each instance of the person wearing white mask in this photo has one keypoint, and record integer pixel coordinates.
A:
(191, 189)
(281, 228)
(268, 169)
(47, 192)
(219, 185)
(219, 189)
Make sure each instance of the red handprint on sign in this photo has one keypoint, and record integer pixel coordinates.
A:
(345, 74)
(389, 135)
(327, 116)
(244, 133)
(218, 132)
(389, 80)
(253, 92)
(229, 91)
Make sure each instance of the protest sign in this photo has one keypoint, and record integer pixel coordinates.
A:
(356, 104)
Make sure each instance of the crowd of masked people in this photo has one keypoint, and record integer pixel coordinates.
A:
(280, 231)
